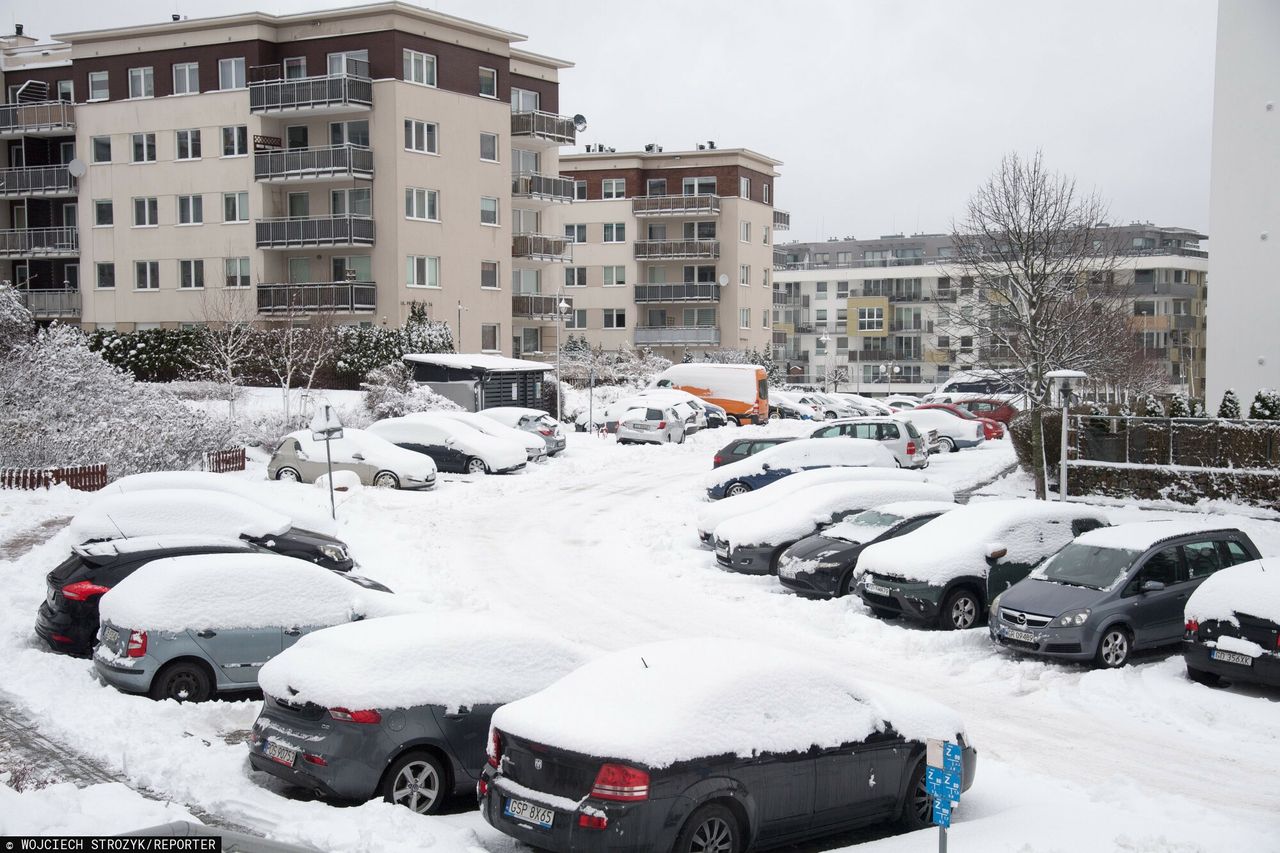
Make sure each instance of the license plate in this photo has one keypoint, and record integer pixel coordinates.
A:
(874, 589)
(110, 636)
(1231, 657)
(522, 810)
(1021, 636)
(281, 754)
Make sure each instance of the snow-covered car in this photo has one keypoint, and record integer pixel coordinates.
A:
(954, 433)
(651, 424)
(535, 448)
(534, 421)
(397, 707)
(1114, 591)
(709, 745)
(1233, 624)
(378, 462)
(902, 438)
(947, 572)
(824, 564)
(450, 445)
(753, 543)
(773, 464)
(187, 628)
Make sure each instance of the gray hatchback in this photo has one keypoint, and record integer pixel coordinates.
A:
(1114, 590)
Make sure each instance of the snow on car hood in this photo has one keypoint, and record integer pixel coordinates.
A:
(804, 511)
(807, 453)
(956, 543)
(1251, 588)
(375, 449)
(678, 700)
(162, 511)
(228, 591)
(418, 659)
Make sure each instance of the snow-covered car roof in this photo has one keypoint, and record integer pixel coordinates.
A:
(1141, 535)
(678, 700)
(808, 453)
(376, 450)
(227, 591)
(185, 511)
(419, 659)
(803, 511)
(956, 543)
(1251, 588)
(162, 542)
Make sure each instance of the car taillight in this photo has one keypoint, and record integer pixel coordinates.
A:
(911, 448)
(494, 752)
(347, 716)
(137, 644)
(83, 590)
(1192, 627)
(620, 782)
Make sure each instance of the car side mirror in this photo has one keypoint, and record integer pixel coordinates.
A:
(996, 550)
(1151, 586)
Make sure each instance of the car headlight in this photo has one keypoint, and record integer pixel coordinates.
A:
(334, 552)
(1072, 620)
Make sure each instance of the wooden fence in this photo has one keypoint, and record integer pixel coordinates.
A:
(222, 461)
(85, 478)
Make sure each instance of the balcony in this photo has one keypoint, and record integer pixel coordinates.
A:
(317, 297)
(313, 164)
(695, 336)
(36, 182)
(39, 242)
(51, 304)
(674, 250)
(677, 293)
(781, 220)
(314, 231)
(537, 306)
(349, 90)
(676, 205)
(536, 187)
(542, 247)
(544, 127)
(47, 118)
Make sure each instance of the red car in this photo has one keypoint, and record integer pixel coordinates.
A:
(991, 429)
(996, 410)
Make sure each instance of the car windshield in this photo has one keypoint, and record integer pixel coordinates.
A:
(1086, 565)
(863, 527)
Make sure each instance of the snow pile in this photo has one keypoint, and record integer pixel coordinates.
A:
(886, 516)
(677, 700)
(187, 511)
(807, 453)
(807, 510)
(226, 591)
(419, 659)
(956, 543)
(63, 809)
(343, 481)
(375, 450)
(1251, 588)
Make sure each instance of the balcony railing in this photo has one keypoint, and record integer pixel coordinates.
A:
(36, 181)
(535, 186)
(677, 292)
(43, 117)
(39, 242)
(541, 247)
(51, 303)
(706, 336)
(315, 297)
(289, 233)
(539, 306)
(675, 205)
(653, 250)
(350, 89)
(781, 220)
(301, 164)
(548, 127)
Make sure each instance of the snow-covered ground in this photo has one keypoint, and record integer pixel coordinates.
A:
(598, 545)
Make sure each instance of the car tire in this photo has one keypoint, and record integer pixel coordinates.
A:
(1199, 676)
(289, 475)
(961, 610)
(416, 780)
(1114, 648)
(475, 465)
(182, 681)
(735, 489)
(386, 480)
(946, 445)
(917, 806)
(711, 829)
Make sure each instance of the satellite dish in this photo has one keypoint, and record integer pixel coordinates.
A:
(77, 168)
(580, 122)
(724, 279)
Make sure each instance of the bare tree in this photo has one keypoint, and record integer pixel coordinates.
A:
(294, 347)
(1039, 290)
(229, 342)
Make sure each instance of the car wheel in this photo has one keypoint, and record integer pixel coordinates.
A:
(476, 466)
(184, 681)
(960, 611)
(1199, 676)
(711, 829)
(917, 811)
(1114, 649)
(736, 489)
(415, 781)
(289, 475)
(386, 480)
(946, 445)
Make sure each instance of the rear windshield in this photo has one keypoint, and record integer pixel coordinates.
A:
(1089, 566)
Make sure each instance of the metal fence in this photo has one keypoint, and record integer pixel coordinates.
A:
(1192, 442)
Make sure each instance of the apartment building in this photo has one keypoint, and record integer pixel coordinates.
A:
(671, 250)
(872, 308)
(350, 162)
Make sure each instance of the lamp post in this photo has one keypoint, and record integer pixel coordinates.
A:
(561, 308)
(1063, 378)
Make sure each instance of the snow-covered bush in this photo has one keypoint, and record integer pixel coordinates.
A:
(1230, 407)
(1151, 407)
(16, 325)
(1266, 406)
(389, 392)
(1179, 406)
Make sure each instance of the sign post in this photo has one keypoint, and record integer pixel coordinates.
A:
(325, 427)
(943, 775)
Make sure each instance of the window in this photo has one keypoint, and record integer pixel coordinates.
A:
(744, 187)
(579, 190)
(870, 319)
(191, 274)
(489, 274)
(141, 82)
(524, 100)
(613, 188)
(295, 68)
(489, 147)
(488, 210)
(235, 141)
(744, 231)
(655, 187)
(186, 78)
(575, 276)
(231, 73)
(419, 68)
(576, 319)
(99, 88)
(235, 207)
(615, 232)
(190, 210)
(66, 90)
(146, 275)
(615, 276)
(421, 204)
(144, 212)
(237, 272)
(103, 212)
(144, 147)
(744, 318)
(106, 276)
(576, 233)
(188, 144)
(422, 271)
(764, 188)
(488, 82)
(101, 147)
(744, 274)
(421, 136)
(615, 318)
(351, 202)
(698, 186)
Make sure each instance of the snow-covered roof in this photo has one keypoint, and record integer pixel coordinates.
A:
(1251, 588)
(479, 361)
(1141, 535)
(808, 453)
(166, 541)
(678, 700)
(419, 659)
(186, 511)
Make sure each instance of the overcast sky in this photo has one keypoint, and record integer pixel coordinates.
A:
(885, 113)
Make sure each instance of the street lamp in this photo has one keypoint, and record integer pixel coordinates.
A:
(888, 370)
(1063, 378)
(562, 309)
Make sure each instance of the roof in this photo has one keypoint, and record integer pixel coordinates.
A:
(479, 362)
(1141, 535)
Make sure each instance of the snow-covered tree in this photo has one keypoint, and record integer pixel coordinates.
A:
(1230, 407)
(1179, 406)
(16, 324)
(389, 392)
(1266, 405)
